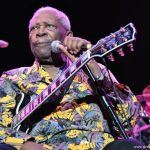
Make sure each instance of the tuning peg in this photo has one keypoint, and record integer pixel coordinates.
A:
(120, 52)
(131, 47)
(103, 49)
(110, 57)
(122, 29)
(113, 35)
(114, 45)
(124, 39)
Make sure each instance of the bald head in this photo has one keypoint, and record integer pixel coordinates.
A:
(60, 16)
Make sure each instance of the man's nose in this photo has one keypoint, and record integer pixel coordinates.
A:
(41, 32)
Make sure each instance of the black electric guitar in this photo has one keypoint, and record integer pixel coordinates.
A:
(104, 47)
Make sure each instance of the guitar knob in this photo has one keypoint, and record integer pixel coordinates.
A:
(111, 57)
(121, 52)
(103, 49)
(113, 35)
(124, 39)
(114, 45)
(122, 29)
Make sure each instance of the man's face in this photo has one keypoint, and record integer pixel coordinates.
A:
(44, 28)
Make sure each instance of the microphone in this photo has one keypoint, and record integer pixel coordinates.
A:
(56, 43)
(55, 48)
(3, 44)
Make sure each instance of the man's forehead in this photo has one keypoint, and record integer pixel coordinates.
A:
(43, 16)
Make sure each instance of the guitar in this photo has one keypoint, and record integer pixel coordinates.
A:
(104, 47)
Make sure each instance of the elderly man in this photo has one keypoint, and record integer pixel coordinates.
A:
(72, 118)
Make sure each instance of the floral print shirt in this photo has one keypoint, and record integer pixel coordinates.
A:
(71, 120)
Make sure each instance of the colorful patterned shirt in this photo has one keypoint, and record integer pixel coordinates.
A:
(71, 120)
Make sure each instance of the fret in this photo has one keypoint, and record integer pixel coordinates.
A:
(35, 103)
(85, 56)
(22, 114)
(53, 86)
(32, 105)
(78, 64)
(62, 78)
(49, 90)
(73, 68)
(57, 83)
(27, 110)
(29, 106)
(67, 73)
(45, 93)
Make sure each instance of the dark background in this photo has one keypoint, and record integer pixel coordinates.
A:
(91, 20)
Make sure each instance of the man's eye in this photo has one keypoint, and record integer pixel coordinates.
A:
(34, 28)
(51, 27)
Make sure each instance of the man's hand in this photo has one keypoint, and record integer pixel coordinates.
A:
(72, 46)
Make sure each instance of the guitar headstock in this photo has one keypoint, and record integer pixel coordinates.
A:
(115, 41)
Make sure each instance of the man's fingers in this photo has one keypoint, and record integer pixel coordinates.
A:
(75, 43)
(65, 51)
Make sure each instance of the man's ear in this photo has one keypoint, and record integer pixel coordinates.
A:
(69, 33)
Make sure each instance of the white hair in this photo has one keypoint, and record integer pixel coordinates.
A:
(62, 17)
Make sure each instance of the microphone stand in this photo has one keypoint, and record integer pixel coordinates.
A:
(105, 101)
